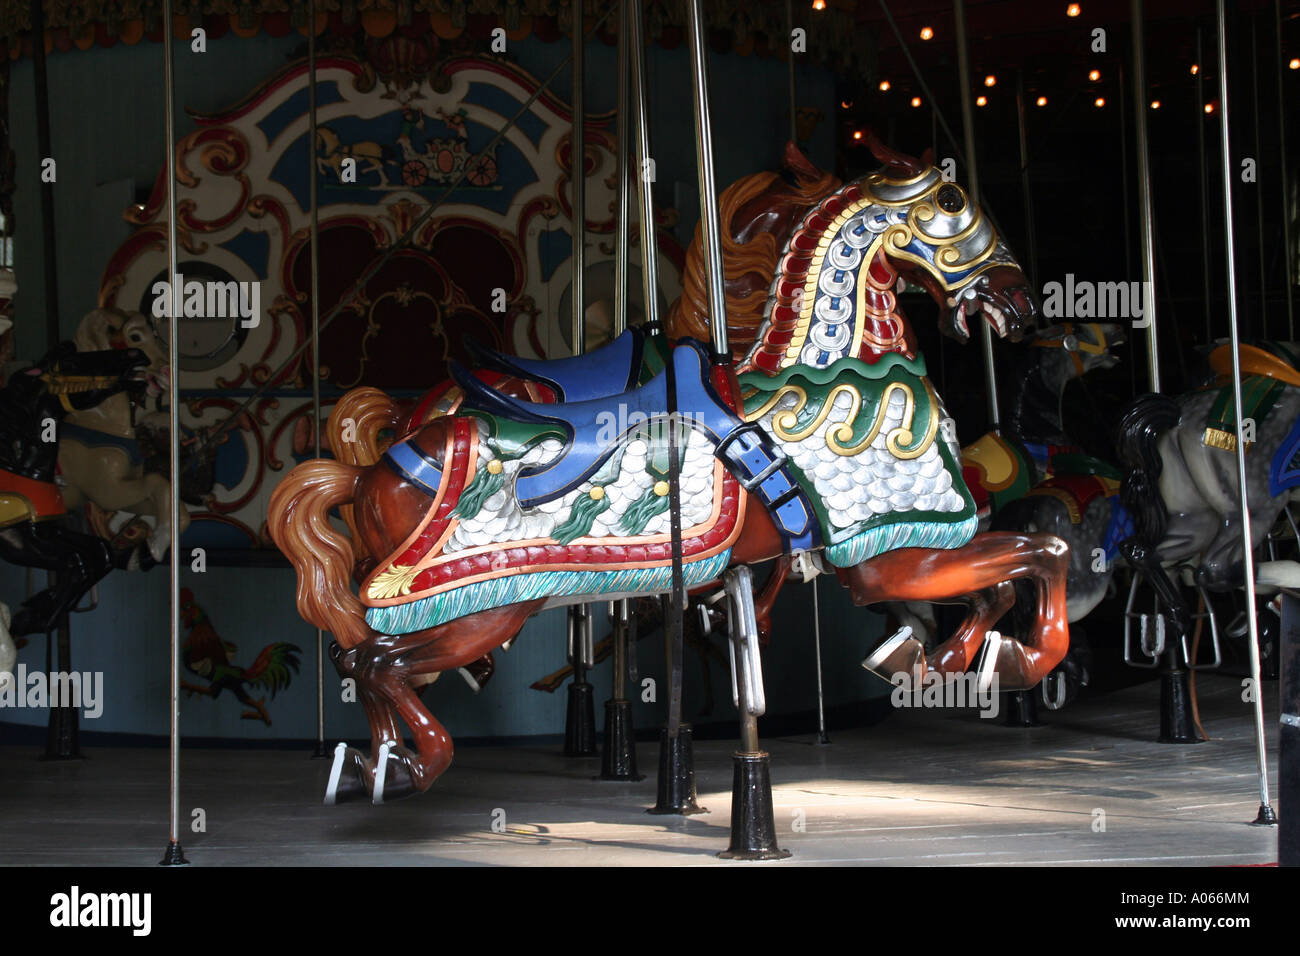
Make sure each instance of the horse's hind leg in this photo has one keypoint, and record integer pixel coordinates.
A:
(955, 655)
(388, 668)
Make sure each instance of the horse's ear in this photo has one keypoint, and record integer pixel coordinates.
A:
(907, 165)
(927, 158)
(92, 332)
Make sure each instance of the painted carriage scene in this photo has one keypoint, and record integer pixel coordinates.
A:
(834, 430)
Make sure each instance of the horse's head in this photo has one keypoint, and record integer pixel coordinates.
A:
(108, 329)
(1080, 347)
(937, 238)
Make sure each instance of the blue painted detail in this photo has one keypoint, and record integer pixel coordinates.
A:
(517, 588)
(1284, 472)
(1120, 528)
(504, 105)
(595, 428)
(295, 107)
(253, 248)
(231, 462)
(609, 370)
(760, 466)
(93, 438)
(554, 246)
(409, 461)
(901, 534)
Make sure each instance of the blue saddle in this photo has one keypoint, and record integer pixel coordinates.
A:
(609, 370)
(596, 428)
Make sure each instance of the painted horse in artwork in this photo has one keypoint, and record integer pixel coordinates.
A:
(826, 436)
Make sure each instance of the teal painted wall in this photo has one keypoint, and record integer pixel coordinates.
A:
(107, 109)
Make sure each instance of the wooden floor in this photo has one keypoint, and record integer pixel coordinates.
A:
(922, 787)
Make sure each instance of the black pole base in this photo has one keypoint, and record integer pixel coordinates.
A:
(173, 856)
(320, 750)
(62, 735)
(823, 739)
(676, 790)
(753, 825)
(1021, 708)
(580, 722)
(1267, 817)
(1176, 723)
(618, 759)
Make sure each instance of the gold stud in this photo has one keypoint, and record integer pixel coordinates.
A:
(596, 493)
(661, 488)
(494, 467)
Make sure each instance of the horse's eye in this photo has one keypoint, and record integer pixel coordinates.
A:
(950, 199)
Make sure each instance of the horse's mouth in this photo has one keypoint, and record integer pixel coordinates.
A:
(1007, 307)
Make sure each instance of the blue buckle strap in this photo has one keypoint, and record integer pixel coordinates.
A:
(761, 468)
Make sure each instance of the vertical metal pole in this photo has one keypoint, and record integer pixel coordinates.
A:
(174, 855)
(48, 250)
(1262, 330)
(822, 738)
(1144, 197)
(1030, 237)
(710, 228)
(580, 724)
(644, 173)
(1266, 814)
(1123, 177)
(622, 253)
(321, 750)
(1205, 198)
(1287, 264)
(578, 178)
(968, 129)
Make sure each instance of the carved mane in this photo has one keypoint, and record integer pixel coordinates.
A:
(758, 213)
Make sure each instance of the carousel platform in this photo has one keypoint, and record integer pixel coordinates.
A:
(920, 788)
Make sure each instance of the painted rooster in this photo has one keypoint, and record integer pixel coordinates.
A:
(208, 656)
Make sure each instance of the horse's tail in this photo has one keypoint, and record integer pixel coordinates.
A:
(355, 431)
(299, 523)
(1137, 442)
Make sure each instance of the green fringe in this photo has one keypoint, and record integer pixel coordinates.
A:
(483, 487)
(581, 517)
(640, 512)
(906, 533)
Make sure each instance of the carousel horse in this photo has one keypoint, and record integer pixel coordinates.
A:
(1031, 476)
(1181, 484)
(8, 649)
(33, 406)
(826, 436)
(100, 458)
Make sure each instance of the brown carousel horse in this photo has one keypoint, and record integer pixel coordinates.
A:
(824, 437)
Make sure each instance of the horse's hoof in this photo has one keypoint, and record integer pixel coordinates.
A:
(399, 778)
(901, 653)
(1005, 658)
(348, 777)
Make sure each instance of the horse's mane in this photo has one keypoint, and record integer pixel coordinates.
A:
(758, 213)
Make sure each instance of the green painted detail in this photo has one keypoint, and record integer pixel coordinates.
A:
(871, 382)
(1077, 463)
(654, 357)
(510, 439)
(1259, 394)
(640, 512)
(911, 534)
(581, 517)
(656, 438)
(480, 489)
(424, 613)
